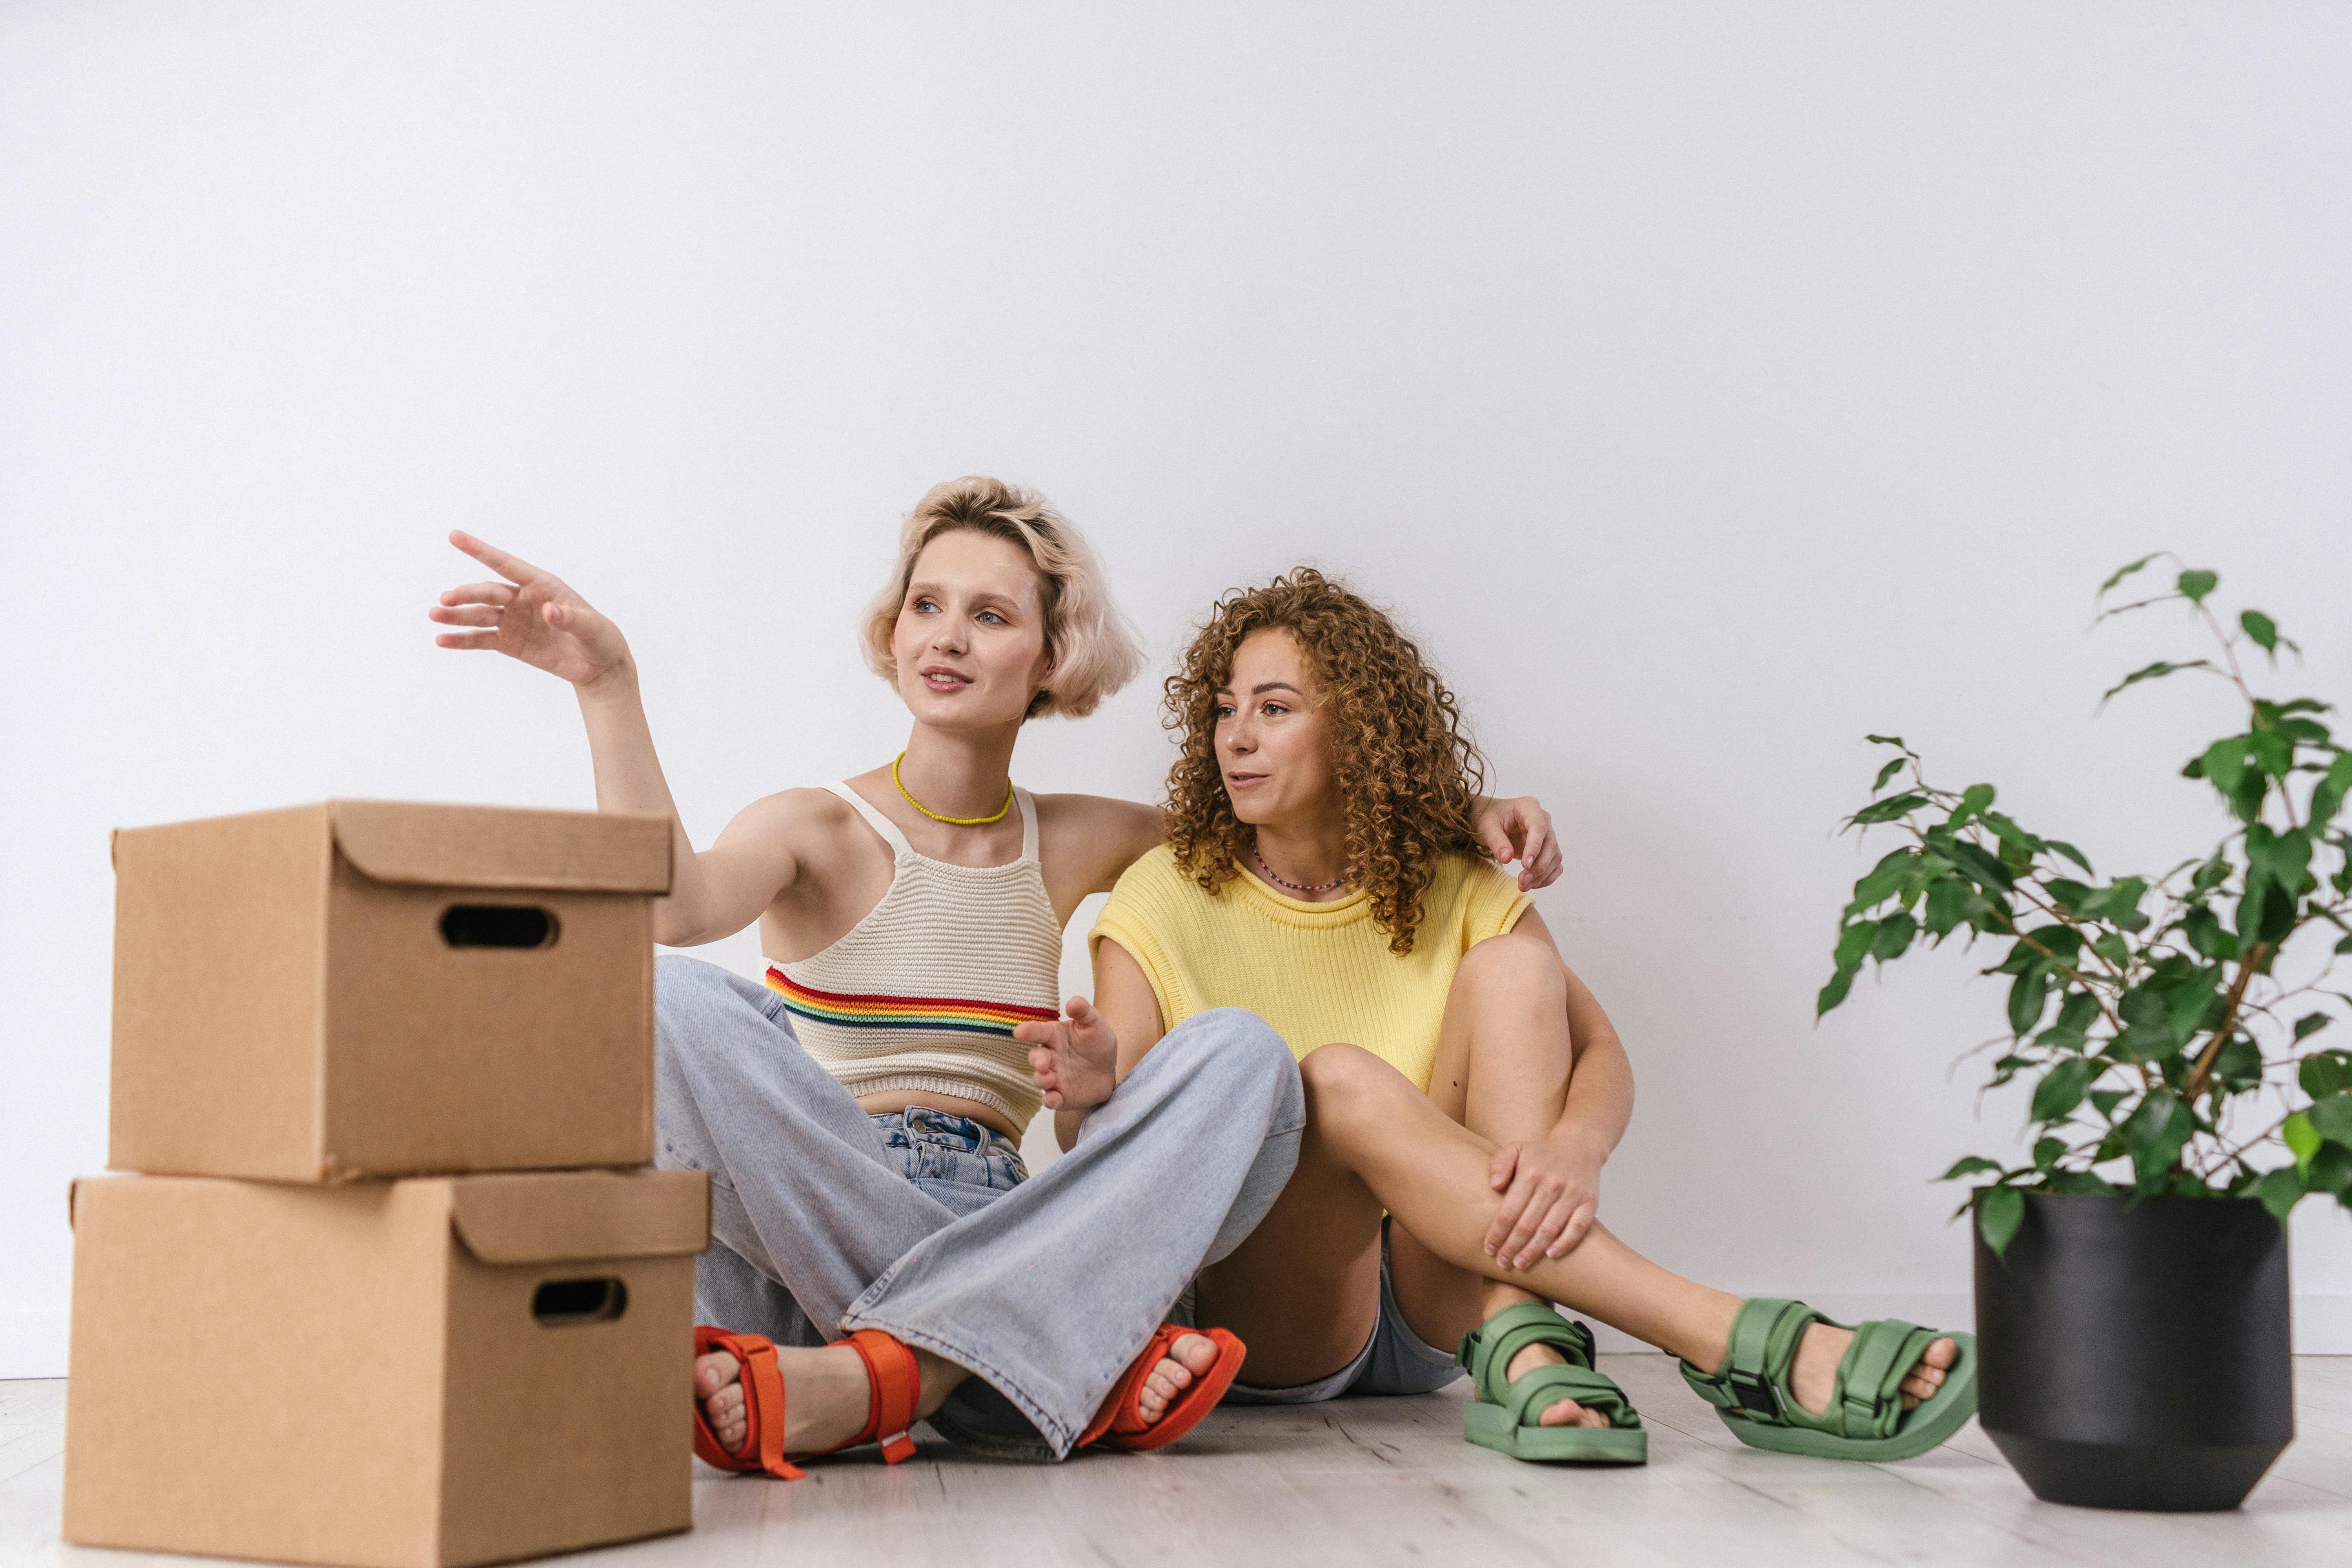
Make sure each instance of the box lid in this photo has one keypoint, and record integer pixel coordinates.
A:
(503, 846)
(566, 1217)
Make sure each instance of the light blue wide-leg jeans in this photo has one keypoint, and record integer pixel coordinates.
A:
(1044, 1289)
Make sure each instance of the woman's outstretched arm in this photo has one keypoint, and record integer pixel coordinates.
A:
(534, 616)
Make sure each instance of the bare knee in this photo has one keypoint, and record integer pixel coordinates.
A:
(1517, 964)
(1348, 1086)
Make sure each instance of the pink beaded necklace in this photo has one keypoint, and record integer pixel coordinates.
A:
(1267, 872)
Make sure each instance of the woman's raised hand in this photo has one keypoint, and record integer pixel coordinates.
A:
(532, 616)
(1520, 830)
(1074, 1058)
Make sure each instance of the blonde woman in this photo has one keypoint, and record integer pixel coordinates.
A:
(860, 1111)
(1463, 1088)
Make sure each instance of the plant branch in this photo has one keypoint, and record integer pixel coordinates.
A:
(2247, 962)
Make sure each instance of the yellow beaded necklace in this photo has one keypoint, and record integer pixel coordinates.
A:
(950, 821)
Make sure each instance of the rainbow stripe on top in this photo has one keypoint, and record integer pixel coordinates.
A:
(948, 1014)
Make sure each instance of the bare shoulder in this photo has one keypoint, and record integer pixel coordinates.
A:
(1091, 838)
(791, 823)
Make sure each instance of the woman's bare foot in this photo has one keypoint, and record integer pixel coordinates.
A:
(1813, 1376)
(1562, 1412)
(827, 1391)
(1190, 1356)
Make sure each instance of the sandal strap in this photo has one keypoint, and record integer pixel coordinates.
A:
(1486, 1352)
(1753, 1380)
(763, 1404)
(1870, 1375)
(893, 1383)
(1539, 1388)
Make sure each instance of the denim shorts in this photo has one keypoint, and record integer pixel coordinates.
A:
(1395, 1361)
(964, 1163)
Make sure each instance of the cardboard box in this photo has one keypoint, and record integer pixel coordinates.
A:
(372, 988)
(385, 1374)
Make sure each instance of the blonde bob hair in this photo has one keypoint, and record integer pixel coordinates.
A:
(1090, 649)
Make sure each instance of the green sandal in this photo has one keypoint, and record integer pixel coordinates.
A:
(1865, 1418)
(1504, 1417)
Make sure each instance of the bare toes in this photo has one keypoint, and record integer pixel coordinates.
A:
(1938, 1356)
(714, 1371)
(1194, 1352)
(1564, 1412)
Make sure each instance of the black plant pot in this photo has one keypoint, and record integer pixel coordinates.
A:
(2136, 1355)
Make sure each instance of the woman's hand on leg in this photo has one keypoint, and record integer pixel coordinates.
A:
(1551, 1194)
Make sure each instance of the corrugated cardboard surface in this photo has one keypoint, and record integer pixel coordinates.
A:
(440, 1058)
(503, 846)
(281, 1013)
(219, 993)
(258, 1370)
(330, 1375)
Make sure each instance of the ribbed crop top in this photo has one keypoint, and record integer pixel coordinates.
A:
(924, 992)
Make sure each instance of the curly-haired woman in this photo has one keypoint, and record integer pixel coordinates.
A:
(1322, 870)
(860, 1113)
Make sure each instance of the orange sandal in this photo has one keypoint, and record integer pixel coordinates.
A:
(892, 1382)
(1120, 1423)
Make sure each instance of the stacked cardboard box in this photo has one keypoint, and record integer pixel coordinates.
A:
(394, 1287)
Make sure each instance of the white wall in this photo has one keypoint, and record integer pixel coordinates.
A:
(1709, 386)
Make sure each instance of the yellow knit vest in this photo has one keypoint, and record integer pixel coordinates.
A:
(1318, 973)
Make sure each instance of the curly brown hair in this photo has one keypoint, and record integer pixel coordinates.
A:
(1407, 770)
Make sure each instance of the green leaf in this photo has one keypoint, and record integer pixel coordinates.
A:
(1886, 741)
(1834, 992)
(1894, 934)
(2324, 1073)
(2262, 628)
(2068, 851)
(2332, 1118)
(2207, 934)
(2224, 764)
(2063, 1086)
(1949, 902)
(2105, 1100)
(1973, 800)
(1888, 772)
(2157, 671)
(1976, 864)
(1999, 1213)
(2311, 1024)
(2195, 585)
(2156, 1132)
(2280, 1192)
(2330, 1171)
(2327, 795)
(2238, 1064)
(2123, 572)
(2046, 1152)
(1966, 1166)
(1854, 945)
(1888, 810)
(2027, 998)
(2271, 752)
(2302, 1138)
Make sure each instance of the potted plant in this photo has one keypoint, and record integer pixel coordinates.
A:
(2131, 1277)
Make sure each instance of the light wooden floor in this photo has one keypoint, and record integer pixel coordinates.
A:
(1365, 1482)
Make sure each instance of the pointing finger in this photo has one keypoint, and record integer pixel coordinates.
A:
(514, 568)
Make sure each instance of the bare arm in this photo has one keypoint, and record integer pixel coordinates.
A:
(536, 617)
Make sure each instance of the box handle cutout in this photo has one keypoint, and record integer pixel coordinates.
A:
(498, 925)
(561, 1302)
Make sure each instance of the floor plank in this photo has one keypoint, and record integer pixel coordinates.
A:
(1379, 1483)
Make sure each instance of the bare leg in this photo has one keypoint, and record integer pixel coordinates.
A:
(1502, 1063)
(1364, 1118)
